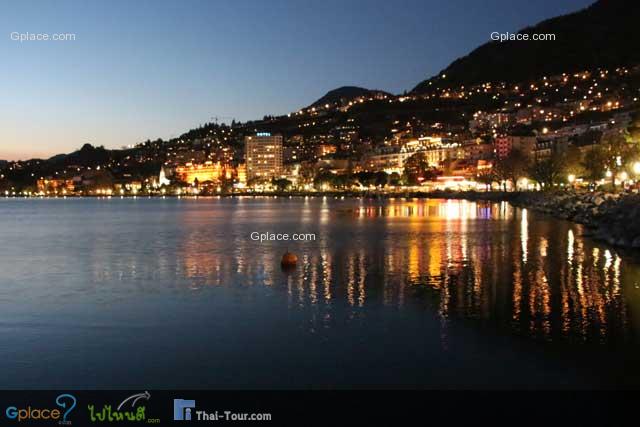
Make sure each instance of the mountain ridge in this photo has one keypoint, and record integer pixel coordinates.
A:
(346, 94)
(597, 36)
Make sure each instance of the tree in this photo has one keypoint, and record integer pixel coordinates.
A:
(511, 167)
(282, 184)
(486, 177)
(619, 154)
(573, 164)
(226, 185)
(257, 181)
(307, 173)
(395, 179)
(548, 171)
(365, 179)
(417, 169)
(382, 179)
(593, 164)
(634, 128)
(5, 185)
(323, 179)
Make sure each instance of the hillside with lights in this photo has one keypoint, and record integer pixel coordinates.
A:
(464, 121)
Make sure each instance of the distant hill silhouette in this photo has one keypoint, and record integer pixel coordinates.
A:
(345, 94)
(88, 155)
(606, 34)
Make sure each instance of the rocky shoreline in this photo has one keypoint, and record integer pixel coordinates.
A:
(608, 217)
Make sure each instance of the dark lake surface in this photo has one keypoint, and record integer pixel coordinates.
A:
(174, 293)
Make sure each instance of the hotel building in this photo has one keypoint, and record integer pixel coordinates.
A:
(264, 156)
(207, 172)
(435, 149)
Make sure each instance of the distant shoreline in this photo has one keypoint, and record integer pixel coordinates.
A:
(496, 196)
(607, 217)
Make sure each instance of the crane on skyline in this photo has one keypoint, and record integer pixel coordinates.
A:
(217, 118)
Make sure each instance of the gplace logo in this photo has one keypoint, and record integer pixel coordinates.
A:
(182, 409)
(65, 401)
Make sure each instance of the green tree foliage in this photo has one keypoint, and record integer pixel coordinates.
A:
(281, 184)
(335, 181)
(369, 179)
(511, 167)
(556, 168)
(573, 163)
(395, 179)
(382, 179)
(619, 154)
(634, 128)
(307, 173)
(417, 170)
(548, 171)
(486, 177)
(257, 181)
(593, 164)
(323, 178)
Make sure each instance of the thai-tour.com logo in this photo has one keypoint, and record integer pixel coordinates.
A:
(64, 405)
(185, 410)
(182, 409)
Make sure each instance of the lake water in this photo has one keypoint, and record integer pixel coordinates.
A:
(174, 293)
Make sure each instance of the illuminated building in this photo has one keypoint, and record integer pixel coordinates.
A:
(435, 150)
(546, 147)
(53, 185)
(477, 150)
(242, 174)
(292, 172)
(264, 156)
(337, 165)
(162, 179)
(388, 162)
(291, 154)
(437, 154)
(325, 149)
(346, 133)
(504, 145)
(208, 171)
(129, 186)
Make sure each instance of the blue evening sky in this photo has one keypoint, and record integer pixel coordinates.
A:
(147, 69)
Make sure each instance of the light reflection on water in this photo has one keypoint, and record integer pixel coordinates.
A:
(556, 287)
(550, 282)
(486, 266)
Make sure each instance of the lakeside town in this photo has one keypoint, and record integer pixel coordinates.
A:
(577, 130)
(276, 196)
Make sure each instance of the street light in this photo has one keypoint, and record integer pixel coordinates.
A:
(571, 178)
(636, 168)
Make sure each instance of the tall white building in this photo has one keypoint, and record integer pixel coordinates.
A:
(264, 156)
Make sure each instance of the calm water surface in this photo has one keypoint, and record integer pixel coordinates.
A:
(402, 293)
